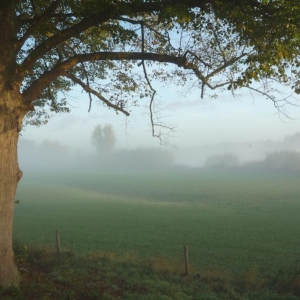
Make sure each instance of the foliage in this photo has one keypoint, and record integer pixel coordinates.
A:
(113, 50)
(20, 252)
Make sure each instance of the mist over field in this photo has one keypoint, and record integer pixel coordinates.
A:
(54, 156)
(234, 205)
(245, 152)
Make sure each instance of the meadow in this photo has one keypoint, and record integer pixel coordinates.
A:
(237, 222)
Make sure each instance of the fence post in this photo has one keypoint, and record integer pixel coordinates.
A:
(186, 260)
(57, 242)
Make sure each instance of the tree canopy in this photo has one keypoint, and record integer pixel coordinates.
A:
(114, 49)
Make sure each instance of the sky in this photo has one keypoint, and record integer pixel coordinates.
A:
(199, 122)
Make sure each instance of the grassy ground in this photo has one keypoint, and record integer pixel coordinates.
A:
(236, 223)
(123, 236)
(108, 276)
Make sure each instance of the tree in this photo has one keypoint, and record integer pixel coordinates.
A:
(113, 49)
(103, 139)
(286, 160)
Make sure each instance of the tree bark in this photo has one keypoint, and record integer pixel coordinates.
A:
(12, 111)
(10, 174)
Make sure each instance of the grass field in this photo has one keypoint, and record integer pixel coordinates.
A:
(238, 222)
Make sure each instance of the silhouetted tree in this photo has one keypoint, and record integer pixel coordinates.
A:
(103, 139)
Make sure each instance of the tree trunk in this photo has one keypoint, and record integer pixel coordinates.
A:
(10, 174)
(12, 112)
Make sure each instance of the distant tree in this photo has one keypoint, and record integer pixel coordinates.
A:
(103, 139)
(222, 161)
(109, 138)
(283, 160)
(97, 138)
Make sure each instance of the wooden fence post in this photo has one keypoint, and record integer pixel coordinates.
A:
(186, 260)
(57, 242)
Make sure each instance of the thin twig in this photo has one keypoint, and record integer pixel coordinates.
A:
(197, 57)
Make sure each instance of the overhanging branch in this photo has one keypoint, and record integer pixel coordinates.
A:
(63, 36)
(89, 90)
(226, 64)
(111, 13)
(34, 91)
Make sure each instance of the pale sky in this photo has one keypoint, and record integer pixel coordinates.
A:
(198, 121)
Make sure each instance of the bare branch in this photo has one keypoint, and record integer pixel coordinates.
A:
(92, 91)
(86, 76)
(152, 99)
(143, 37)
(227, 64)
(88, 85)
(280, 105)
(153, 123)
(196, 57)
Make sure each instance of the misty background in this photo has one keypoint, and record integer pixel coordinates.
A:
(54, 156)
(225, 131)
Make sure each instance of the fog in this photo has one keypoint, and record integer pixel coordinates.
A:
(245, 152)
(54, 157)
(205, 129)
(51, 156)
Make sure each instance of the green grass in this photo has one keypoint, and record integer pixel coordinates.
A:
(108, 276)
(236, 223)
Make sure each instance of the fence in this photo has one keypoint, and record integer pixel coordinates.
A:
(185, 252)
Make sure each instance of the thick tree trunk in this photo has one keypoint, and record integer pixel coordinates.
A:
(10, 175)
(12, 111)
